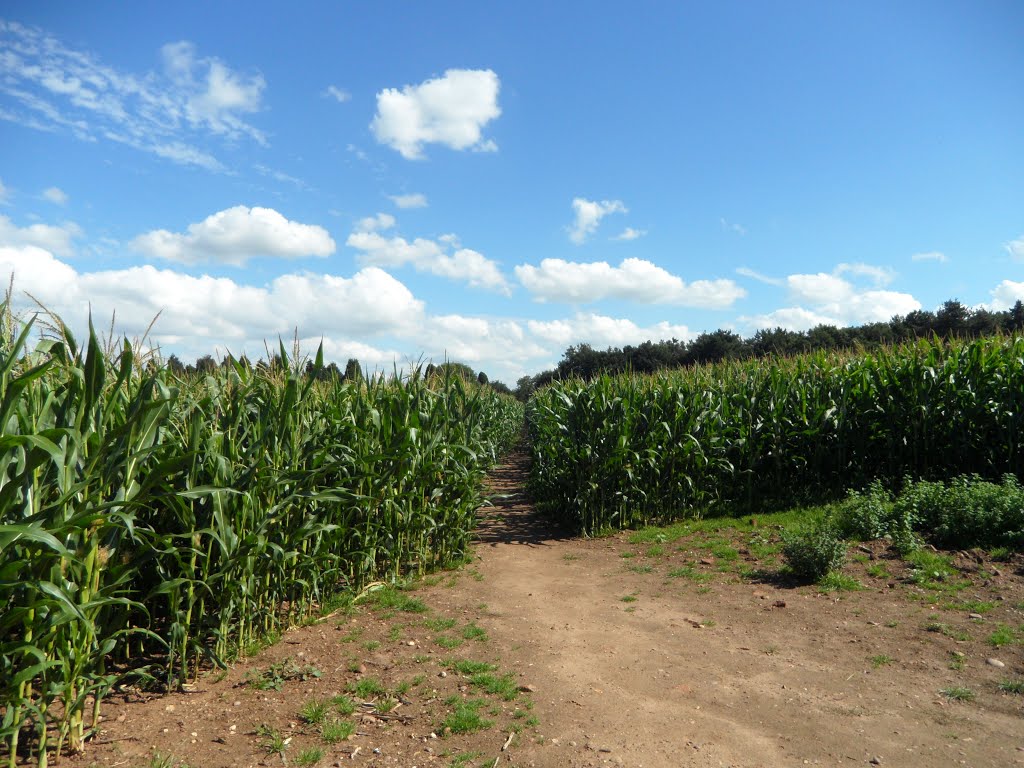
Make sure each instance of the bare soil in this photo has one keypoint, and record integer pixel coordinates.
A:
(629, 650)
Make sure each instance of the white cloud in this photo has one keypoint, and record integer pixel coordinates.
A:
(630, 234)
(602, 331)
(54, 87)
(213, 95)
(589, 214)
(633, 280)
(426, 255)
(820, 288)
(450, 110)
(58, 239)
(217, 311)
(370, 316)
(754, 275)
(938, 256)
(416, 200)
(477, 340)
(234, 236)
(338, 94)
(55, 195)
(376, 223)
(826, 298)
(5, 193)
(879, 275)
(1005, 295)
(1016, 248)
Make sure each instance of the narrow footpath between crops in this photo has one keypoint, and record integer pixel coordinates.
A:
(620, 651)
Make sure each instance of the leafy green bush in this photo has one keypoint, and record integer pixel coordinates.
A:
(968, 512)
(813, 553)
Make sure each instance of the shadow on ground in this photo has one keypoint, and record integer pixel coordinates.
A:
(512, 519)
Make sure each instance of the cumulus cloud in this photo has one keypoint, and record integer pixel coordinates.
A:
(376, 223)
(370, 315)
(234, 236)
(588, 215)
(630, 234)
(938, 256)
(212, 310)
(633, 280)
(463, 264)
(451, 110)
(55, 87)
(478, 341)
(1005, 295)
(1016, 248)
(56, 238)
(416, 200)
(829, 299)
(603, 331)
(338, 94)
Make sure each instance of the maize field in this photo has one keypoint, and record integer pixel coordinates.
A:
(151, 525)
(627, 451)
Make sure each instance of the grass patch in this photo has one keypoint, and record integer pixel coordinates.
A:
(628, 598)
(439, 624)
(468, 666)
(933, 571)
(971, 606)
(958, 693)
(309, 757)
(272, 740)
(472, 632)
(343, 705)
(465, 717)
(1003, 635)
(1016, 687)
(367, 688)
(880, 661)
(839, 582)
(690, 573)
(314, 712)
(878, 571)
(336, 731)
(504, 686)
(448, 642)
(463, 759)
(391, 598)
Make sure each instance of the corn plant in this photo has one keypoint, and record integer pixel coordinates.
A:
(630, 450)
(151, 525)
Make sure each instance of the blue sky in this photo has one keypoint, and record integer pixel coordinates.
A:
(496, 182)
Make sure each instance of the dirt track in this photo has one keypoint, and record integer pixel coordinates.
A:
(629, 666)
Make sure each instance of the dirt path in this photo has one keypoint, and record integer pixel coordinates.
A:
(628, 655)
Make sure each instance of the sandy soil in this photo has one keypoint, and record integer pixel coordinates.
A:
(622, 653)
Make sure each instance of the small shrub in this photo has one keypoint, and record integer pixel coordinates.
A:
(812, 553)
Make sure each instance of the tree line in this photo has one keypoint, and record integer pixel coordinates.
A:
(951, 319)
